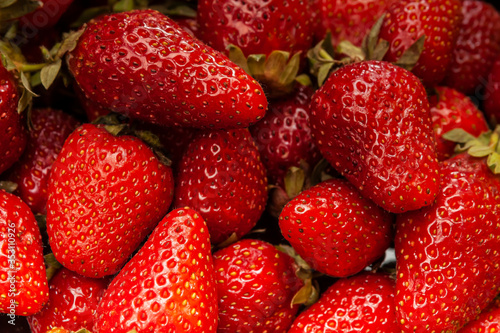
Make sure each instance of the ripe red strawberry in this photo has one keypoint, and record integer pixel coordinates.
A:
(23, 282)
(408, 20)
(447, 254)
(492, 94)
(73, 301)
(362, 303)
(256, 27)
(141, 64)
(45, 16)
(31, 172)
(255, 282)
(106, 193)
(488, 321)
(284, 138)
(371, 121)
(450, 109)
(222, 177)
(168, 286)
(478, 45)
(334, 229)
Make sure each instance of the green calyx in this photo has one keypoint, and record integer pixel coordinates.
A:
(52, 265)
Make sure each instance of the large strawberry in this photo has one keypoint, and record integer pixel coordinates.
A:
(221, 176)
(371, 121)
(23, 282)
(488, 321)
(168, 286)
(106, 193)
(143, 65)
(492, 94)
(73, 301)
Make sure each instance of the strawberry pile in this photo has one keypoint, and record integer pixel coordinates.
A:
(299, 166)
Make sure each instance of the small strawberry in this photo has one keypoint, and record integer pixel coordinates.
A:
(492, 94)
(73, 300)
(371, 122)
(362, 303)
(221, 176)
(23, 282)
(168, 286)
(106, 193)
(141, 64)
(488, 321)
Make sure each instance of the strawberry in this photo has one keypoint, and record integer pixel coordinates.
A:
(447, 254)
(488, 321)
(31, 172)
(361, 303)
(439, 21)
(168, 286)
(23, 283)
(450, 109)
(141, 64)
(255, 282)
(492, 95)
(477, 46)
(221, 176)
(45, 16)
(371, 121)
(106, 193)
(73, 300)
(334, 229)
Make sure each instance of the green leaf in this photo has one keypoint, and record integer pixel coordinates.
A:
(52, 265)
(494, 163)
(410, 57)
(351, 50)
(371, 40)
(291, 70)
(8, 186)
(304, 80)
(124, 6)
(6, 3)
(18, 9)
(294, 181)
(323, 73)
(380, 50)
(458, 135)
(480, 151)
(49, 73)
(41, 221)
(236, 55)
(69, 42)
(256, 64)
(26, 95)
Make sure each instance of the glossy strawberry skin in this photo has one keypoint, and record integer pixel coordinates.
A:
(19, 230)
(31, 172)
(143, 65)
(106, 194)
(73, 300)
(439, 20)
(450, 109)
(362, 303)
(371, 122)
(255, 282)
(447, 254)
(487, 321)
(221, 176)
(492, 94)
(334, 229)
(168, 286)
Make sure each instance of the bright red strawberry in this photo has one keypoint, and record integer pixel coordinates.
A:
(73, 301)
(168, 286)
(255, 282)
(284, 138)
(334, 229)
(371, 121)
(447, 254)
(362, 303)
(478, 45)
(492, 94)
(31, 172)
(438, 20)
(143, 65)
(487, 322)
(222, 177)
(450, 109)
(23, 282)
(106, 193)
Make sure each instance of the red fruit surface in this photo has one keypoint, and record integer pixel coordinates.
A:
(44, 16)
(487, 322)
(143, 65)
(362, 303)
(222, 177)
(168, 286)
(492, 94)
(447, 254)
(23, 282)
(106, 194)
(73, 301)
(371, 121)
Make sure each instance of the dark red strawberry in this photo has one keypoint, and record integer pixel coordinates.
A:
(255, 282)
(143, 65)
(438, 20)
(168, 286)
(106, 193)
(478, 45)
(222, 177)
(492, 94)
(190, 25)
(45, 16)
(31, 172)
(450, 109)
(73, 301)
(487, 322)
(362, 303)
(371, 121)
(23, 282)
